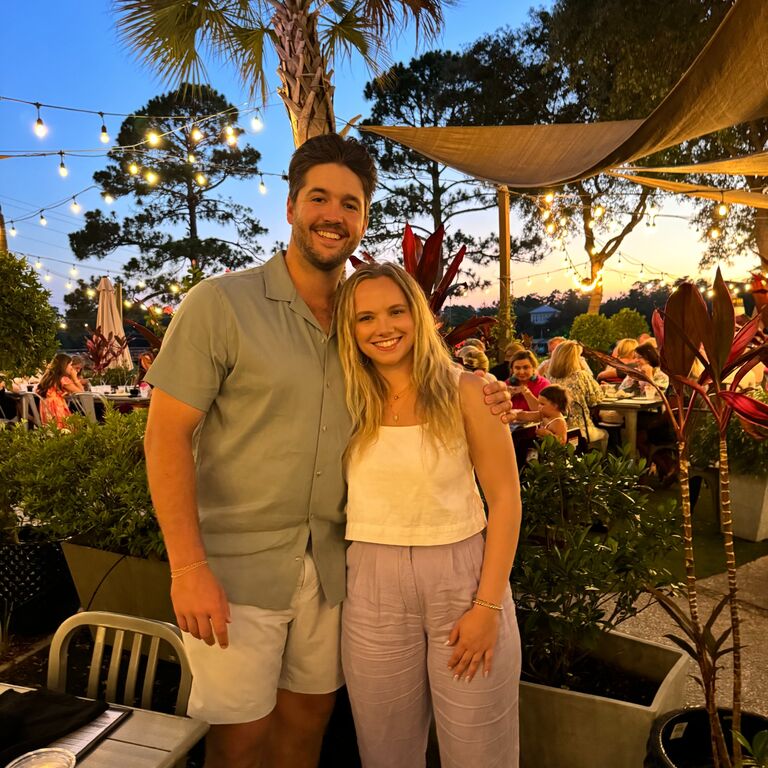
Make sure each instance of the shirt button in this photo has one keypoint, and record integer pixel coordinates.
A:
(318, 473)
(312, 517)
(297, 558)
(328, 384)
(324, 428)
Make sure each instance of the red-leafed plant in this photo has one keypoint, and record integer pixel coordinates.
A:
(421, 260)
(687, 333)
(103, 350)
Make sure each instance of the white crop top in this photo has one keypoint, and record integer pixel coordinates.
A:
(408, 490)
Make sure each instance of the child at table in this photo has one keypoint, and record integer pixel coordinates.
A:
(553, 405)
(60, 379)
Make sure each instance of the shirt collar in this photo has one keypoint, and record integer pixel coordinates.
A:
(277, 282)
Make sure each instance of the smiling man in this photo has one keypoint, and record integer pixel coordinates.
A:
(244, 456)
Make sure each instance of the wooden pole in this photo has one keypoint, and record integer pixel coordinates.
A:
(504, 332)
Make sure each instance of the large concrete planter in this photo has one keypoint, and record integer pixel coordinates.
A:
(579, 730)
(749, 506)
(106, 581)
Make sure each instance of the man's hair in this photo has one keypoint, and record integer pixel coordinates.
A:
(558, 396)
(332, 148)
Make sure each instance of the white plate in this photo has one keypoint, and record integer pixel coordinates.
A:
(45, 758)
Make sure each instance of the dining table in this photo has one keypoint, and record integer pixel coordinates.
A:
(144, 740)
(629, 406)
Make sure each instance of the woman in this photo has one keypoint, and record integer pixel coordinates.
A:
(473, 359)
(429, 616)
(623, 350)
(503, 370)
(646, 358)
(565, 369)
(59, 380)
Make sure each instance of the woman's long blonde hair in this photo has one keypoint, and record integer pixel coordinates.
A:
(434, 376)
(565, 360)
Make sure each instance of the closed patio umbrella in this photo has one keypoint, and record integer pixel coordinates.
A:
(109, 321)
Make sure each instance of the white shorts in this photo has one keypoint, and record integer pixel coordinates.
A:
(297, 649)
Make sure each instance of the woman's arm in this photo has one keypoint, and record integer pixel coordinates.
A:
(71, 385)
(493, 456)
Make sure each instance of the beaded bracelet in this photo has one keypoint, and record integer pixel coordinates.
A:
(175, 573)
(487, 604)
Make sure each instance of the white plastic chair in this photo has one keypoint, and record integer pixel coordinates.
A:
(85, 403)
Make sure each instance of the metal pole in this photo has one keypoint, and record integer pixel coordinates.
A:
(504, 320)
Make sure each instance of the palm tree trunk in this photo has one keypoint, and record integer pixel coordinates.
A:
(726, 522)
(306, 88)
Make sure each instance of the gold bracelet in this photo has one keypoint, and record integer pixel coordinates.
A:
(175, 573)
(487, 604)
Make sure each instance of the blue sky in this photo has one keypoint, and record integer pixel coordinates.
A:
(56, 55)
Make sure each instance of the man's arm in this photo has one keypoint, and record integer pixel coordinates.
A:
(199, 601)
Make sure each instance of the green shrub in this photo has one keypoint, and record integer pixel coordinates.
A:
(627, 324)
(89, 481)
(593, 331)
(589, 547)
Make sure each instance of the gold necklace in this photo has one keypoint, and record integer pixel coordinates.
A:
(395, 397)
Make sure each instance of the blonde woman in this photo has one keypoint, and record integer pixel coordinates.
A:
(565, 370)
(624, 351)
(428, 620)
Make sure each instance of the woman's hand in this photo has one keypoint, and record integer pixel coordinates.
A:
(474, 637)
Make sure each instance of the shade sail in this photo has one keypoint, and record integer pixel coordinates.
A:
(726, 85)
(733, 196)
(747, 165)
(108, 320)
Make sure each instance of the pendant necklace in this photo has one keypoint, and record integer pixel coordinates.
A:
(395, 397)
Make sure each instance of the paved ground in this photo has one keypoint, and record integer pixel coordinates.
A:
(653, 624)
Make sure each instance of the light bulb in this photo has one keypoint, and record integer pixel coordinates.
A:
(174, 288)
(127, 304)
(563, 221)
(133, 169)
(593, 250)
(598, 212)
(256, 124)
(641, 273)
(262, 187)
(549, 197)
(143, 306)
(12, 230)
(73, 271)
(68, 285)
(547, 278)
(43, 220)
(590, 223)
(229, 130)
(62, 325)
(710, 293)
(196, 134)
(153, 138)
(40, 128)
(104, 135)
(650, 284)
(38, 264)
(528, 281)
(722, 210)
(545, 215)
(200, 179)
(63, 171)
(232, 140)
(141, 284)
(191, 158)
(108, 199)
(47, 277)
(151, 177)
(90, 293)
(551, 227)
(75, 207)
(714, 233)
(747, 286)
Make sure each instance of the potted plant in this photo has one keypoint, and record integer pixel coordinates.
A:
(87, 486)
(748, 459)
(102, 352)
(36, 591)
(686, 332)
(589, 546)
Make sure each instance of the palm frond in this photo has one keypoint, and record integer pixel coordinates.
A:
(350, 32)
(391, 16)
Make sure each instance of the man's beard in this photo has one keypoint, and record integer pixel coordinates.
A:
(301, 236)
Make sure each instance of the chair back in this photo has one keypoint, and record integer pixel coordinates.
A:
(577, 440)
(31, 408)
(139, 637)
(84, 402)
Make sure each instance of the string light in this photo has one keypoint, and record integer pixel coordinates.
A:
(43, 221)
(73, 271)
(175, 288)
(545, 215)
(63, 171)
(47, 277)
(108, 199)
(549, 198)
(598, 212)
(232, 140)
(191, 158)
(548, 278)
(75, 207)
(12, 230)
(68, 285)
(196, 134)
(38, 264)
(641, 273)
(710, 293)
(590, 223)
(153, 138)
(528, 282)
(563, 221)
(141, 285)
(63, 325)
(104, 135)
(722, 209)
(201, 179)
(133, 169)
(714, 233)
(262, 186)
(127, 304)
(551, 227)
(90, 293)
(40, 128)
(151, 177)
(256, 124)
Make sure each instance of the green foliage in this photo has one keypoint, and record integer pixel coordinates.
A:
(27, 320)
(589, 547)
(87, 481)
(593, 331)
(746, 454)
(758, 749)
(627, 324)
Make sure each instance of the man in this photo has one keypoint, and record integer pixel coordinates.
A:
(244, 456)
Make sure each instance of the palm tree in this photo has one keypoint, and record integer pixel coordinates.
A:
(308, 36)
